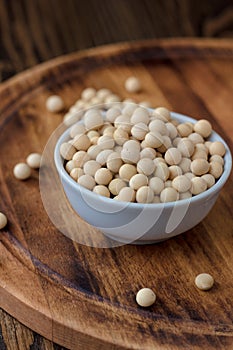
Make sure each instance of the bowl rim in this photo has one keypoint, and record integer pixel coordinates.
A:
(109, 201)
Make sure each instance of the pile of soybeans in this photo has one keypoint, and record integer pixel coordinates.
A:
(130, 153)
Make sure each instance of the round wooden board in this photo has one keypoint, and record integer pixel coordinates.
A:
(83, 297)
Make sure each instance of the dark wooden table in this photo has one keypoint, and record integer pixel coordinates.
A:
(35, 31)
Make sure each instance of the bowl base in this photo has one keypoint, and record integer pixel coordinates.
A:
(136, 242)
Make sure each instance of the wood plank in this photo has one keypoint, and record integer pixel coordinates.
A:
(83, 297)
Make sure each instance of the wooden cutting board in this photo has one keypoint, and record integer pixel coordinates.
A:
(83, 297)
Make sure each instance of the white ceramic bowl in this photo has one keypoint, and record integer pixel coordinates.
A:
(135, 222)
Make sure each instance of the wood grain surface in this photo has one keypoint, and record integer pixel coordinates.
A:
(82, 297)
(33, 31)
